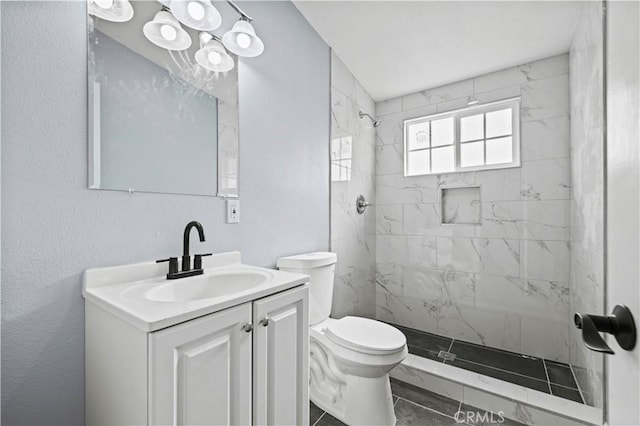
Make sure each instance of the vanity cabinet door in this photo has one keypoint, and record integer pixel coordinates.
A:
(200, 371)
(281, 358)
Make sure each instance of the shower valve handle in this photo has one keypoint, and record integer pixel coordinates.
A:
(619, 324)
(361, 204)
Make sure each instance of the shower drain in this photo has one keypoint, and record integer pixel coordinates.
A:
(447, 356)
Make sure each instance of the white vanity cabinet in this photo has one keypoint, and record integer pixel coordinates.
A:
(281, 359)
(200, 371)
(246, 364)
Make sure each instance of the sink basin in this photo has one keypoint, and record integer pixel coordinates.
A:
(207, 286)
(140, 293)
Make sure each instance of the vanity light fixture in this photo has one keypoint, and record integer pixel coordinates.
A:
(197, 14)
(111, 10)
(165, 31)
(242, 39)
(212, 54)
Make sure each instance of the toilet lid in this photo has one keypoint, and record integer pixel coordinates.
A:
(366, 335)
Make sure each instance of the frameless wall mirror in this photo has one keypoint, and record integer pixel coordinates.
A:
(163, 103)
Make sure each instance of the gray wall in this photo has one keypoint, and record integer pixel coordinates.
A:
(53, 227)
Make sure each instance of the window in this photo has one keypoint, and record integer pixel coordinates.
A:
(476, 138)
(341, 159)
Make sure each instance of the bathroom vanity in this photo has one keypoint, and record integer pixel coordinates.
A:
(229, 346)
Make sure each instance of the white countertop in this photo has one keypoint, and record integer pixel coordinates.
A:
(122, 290)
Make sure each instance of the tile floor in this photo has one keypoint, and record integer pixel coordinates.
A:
(535, 373)
(419, 407)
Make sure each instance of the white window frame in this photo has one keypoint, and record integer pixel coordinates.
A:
(458, 114)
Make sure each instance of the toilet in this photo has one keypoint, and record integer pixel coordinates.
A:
(350, 358)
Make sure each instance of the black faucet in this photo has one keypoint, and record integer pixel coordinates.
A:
(186, 258)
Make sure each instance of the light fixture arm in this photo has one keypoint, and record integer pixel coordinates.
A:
(243, 15)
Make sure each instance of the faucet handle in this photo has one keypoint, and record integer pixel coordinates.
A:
(197, 261)
(173, 264)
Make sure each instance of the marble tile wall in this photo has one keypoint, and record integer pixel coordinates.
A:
(506, 282)
(352, 234)
(587, 172)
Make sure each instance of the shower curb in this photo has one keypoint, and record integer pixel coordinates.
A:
(514, 402)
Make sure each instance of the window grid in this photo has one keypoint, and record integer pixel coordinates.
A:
(458, 115)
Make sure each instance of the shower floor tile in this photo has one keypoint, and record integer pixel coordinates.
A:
(414, 406)
(426, 341)
(507, 376)
(424, 353)
(496, 358)
(560, 374)
(540, 374)
(566, 393)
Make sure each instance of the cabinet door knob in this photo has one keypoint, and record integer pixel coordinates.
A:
(265, 321)
(248, 327)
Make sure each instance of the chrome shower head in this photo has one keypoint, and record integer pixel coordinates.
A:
(375, 122)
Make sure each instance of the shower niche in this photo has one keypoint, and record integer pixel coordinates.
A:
(461, 206)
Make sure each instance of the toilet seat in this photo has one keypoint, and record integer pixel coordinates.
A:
(366, 336)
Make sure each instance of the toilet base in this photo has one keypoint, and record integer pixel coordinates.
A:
(360, 401)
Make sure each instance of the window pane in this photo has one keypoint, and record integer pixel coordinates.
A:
(346, 170)
(442, 132)
(499, 151)
(335, 149)
(471, 154)
(442, 160)
(341, 170)
(471, 128)
(345, 148)
(418, 135)
(335, 171)
(499, 123)
(418, 162)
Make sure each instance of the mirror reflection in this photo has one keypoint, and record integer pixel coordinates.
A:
(163, 101)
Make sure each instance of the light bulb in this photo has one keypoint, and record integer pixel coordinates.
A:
(214, 57)
(195, 10)
(104, 4)
(243, 40)
(168, 32)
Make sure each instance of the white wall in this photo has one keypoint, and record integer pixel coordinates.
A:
(353, 234)
(504, 283)
(587, 191)
(53, 227)
(623, 202)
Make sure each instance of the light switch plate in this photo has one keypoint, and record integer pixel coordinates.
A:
(233, 211)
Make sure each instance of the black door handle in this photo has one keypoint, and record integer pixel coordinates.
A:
(619, 324)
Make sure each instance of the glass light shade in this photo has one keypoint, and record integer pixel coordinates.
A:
(197, 14)
(114, 10)
(212, 55)
(168, 32)
(243, 40)
(158, 33)
(236, 40)
(104, 4)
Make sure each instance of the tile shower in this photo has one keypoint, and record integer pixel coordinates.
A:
(500, 258)
(353, 236)
(501, 278)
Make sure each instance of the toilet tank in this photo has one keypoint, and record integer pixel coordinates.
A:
(321, 268)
